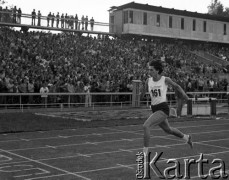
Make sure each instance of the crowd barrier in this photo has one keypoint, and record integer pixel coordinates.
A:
(205, 100)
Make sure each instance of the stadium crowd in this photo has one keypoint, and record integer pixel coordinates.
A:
(64, 62)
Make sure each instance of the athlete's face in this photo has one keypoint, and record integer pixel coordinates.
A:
(152, 71)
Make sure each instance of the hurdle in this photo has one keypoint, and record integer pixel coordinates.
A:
(204, 110)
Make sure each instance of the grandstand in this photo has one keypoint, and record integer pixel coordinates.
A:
(70, 105)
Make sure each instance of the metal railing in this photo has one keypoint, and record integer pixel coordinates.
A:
(26, 19)
(92, 100)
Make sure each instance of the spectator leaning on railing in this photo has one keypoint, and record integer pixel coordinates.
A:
(92, 21)
(19, 12)
(39, 18)
(34, 18)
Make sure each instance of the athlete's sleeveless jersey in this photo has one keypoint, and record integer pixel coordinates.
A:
(157, 90)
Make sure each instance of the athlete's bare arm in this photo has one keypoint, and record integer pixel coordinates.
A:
(176, 86)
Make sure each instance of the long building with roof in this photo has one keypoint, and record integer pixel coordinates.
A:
(143, 19)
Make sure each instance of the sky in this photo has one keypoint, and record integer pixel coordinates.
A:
(98, 9)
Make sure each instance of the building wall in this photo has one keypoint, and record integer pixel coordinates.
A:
(118, 22)
(214, 29)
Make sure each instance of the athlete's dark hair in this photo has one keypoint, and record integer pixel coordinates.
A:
(157, 64)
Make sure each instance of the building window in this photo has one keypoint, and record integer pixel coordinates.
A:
(130, 16)
(205, 26)
(194, 25)
(158, 21)
(224, 29)
(182, 23)
(144, 18)
(125, 17)
(170, 21)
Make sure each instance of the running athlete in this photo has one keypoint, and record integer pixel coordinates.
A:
(157, 87)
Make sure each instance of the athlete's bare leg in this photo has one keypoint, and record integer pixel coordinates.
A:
(170, 130)
(174, 131)
(156, 118)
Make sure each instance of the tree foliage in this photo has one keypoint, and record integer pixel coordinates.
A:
(217, 8)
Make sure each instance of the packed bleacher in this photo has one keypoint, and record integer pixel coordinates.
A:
(67, 62)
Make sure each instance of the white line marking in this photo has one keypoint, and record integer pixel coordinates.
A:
(56, 175)
(161, 146)
(198, 176)
(125, 166)
(130, 165)
(84, 155)
(128, 150)
(130, 140)
(96, 134)
(125, 150)
(63, 136)
(53, 147)
(118, 151)
(206, 144)
(99, 142)
(118, 131)
(44, 164)
(22, 175)
(16, 162)
(93, 143)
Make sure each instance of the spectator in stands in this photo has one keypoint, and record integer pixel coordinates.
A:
(30, 90)
(66, 21)
(92, 23)
(211, 84)
(62, 21)
(1, 13)
(23, 87)
(57, 20)
(33, 17)
(76, 22)
(6, 15)
(52, 19)
(82, 21)
(86, 22)
(48, 18)
(10, 85)
(19, 12)
(44, 92)
(79, 25)
(71, 22)
(87, 89)
(79, 88)
(3, 88)
(200, 84)
(39, 18)
(14, 14)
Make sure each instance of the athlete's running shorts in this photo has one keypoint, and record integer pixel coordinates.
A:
(161, 107)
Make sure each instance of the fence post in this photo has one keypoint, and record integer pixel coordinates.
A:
(69, 101)
(20, 101)
(136, 93)
(189, 107)
(213, 107)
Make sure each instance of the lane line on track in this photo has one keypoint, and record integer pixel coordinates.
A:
(44, 164)
(111, 141)
(93, 134)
